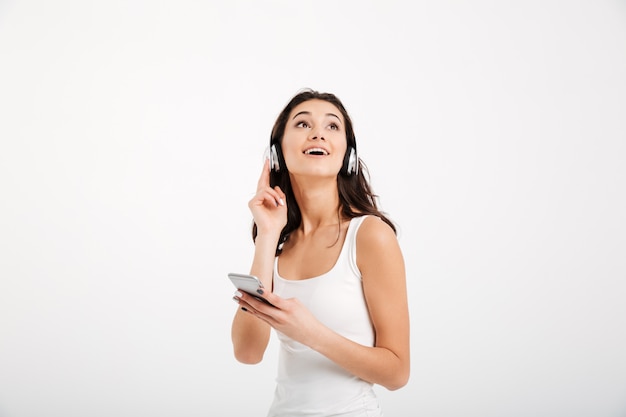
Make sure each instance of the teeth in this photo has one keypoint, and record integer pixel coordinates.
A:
(316, 151)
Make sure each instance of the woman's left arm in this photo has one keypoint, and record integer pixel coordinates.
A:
(381, 263)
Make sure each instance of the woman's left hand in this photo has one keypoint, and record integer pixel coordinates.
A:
(287, 315)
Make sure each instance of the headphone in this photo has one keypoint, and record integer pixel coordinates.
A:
(349, 167)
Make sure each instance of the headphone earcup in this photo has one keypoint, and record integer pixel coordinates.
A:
(275, 157)
(350, 162)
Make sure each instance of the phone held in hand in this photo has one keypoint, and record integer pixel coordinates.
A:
(247, 283)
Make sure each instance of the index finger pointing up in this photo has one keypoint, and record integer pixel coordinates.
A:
(264, 180)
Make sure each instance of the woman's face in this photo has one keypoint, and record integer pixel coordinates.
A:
(314, 142)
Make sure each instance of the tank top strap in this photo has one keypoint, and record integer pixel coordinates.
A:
(350, 243)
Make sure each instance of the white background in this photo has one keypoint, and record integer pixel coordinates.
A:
(132, 135)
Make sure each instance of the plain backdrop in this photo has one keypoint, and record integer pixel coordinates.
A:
(132, 135)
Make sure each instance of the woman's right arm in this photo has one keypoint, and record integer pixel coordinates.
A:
(250, 335)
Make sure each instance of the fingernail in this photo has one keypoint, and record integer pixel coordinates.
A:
(236, 300)
(260, 290)
(238, 294)
(282, 202)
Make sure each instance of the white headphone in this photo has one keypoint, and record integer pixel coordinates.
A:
(350, 161)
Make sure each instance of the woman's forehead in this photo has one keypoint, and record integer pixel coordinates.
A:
(317, 107)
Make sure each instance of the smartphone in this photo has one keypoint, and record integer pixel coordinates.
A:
(247, 283)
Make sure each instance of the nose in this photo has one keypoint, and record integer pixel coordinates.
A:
(316, 133)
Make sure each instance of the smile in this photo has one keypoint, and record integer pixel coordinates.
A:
(316, 151)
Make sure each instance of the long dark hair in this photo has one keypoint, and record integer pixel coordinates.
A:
(355, 194)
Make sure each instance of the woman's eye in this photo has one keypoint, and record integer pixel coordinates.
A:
(333, 126)
(302, 124)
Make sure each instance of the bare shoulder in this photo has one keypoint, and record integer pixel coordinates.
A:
(376, 245)
(374, 233)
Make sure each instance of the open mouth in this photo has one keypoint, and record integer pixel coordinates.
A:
(316, 151)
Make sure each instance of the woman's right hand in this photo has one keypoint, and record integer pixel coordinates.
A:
(268, 205)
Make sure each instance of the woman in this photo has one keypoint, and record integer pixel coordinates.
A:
(332, 270)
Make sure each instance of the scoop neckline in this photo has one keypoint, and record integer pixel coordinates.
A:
(341, 254)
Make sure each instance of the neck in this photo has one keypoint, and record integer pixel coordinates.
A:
(319, 204)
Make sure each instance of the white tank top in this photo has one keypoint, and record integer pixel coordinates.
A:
(308, 383)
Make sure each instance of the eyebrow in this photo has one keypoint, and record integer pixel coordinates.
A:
(308, 113)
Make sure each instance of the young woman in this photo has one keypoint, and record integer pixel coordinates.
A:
(332, 269)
